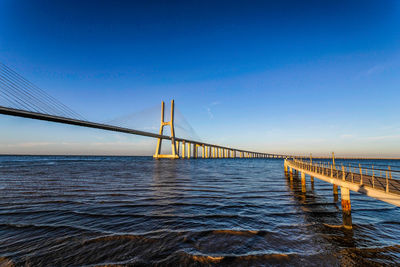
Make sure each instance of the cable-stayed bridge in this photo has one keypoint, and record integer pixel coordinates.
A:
(21, 98)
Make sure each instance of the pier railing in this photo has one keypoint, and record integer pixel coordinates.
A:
(386, 180)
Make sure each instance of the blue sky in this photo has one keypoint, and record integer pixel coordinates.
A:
(272, 76)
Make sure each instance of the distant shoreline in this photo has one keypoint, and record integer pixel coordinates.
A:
(61, 155)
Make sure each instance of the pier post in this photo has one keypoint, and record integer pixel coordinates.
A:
(285, 167)
(303, 182)
(291, 173)
(335, 193)
(346, 207)
(188, 150)
(203, 154)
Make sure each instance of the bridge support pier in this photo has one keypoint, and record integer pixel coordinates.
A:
(188, 150)
(183, 149)
(195, 150)
(346, 207)
(312, 181)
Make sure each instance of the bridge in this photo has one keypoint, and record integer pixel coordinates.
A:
(21, 98)
(26, 100)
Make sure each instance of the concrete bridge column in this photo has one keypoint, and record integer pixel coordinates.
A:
(177, 147)
(183, 149)
(346, 207)
(203, 152)
(188, 150)
(195, 151)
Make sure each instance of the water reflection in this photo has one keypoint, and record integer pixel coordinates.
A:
(323, 216)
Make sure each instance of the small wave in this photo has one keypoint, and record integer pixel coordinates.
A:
(47, 227)
(237, 232)
(185, 258)
(120, 237)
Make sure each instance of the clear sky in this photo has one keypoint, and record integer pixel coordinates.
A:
(272, 76)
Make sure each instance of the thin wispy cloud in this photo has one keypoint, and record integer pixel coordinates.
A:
(379, 68)
(382, 137)
(209, 109)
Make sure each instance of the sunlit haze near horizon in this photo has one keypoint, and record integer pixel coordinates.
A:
(295, 77)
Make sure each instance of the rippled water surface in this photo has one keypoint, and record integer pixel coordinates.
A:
(66, 211)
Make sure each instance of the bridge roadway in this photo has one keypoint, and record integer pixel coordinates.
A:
(213, 151)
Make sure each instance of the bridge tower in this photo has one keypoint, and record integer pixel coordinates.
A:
(174, 154)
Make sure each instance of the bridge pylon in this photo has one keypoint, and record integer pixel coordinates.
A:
(174, 154)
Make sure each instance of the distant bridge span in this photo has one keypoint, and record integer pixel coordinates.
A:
(208, 150)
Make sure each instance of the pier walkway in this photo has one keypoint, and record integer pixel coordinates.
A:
(377, 183)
